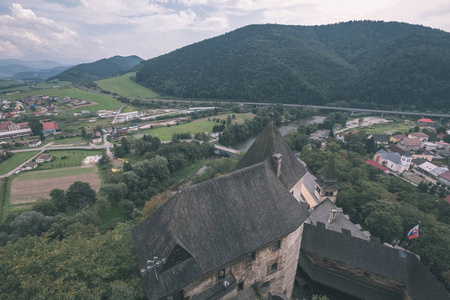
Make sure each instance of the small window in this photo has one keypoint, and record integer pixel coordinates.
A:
(276, 246)
(274, 268)
(264, 286)
(331, 194)
(251, 257)
(240, 286)
(221, 275)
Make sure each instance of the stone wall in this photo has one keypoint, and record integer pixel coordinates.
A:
(296, 190)
(259, 270)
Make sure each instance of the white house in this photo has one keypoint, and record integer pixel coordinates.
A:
(393, 161)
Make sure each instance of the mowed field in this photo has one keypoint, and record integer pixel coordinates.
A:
(124, 86)
(103, 102)
(31, 186)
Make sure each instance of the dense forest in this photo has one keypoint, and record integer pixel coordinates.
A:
(98, 70)
(363, 64)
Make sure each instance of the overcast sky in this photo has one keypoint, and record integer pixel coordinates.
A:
(89, 30)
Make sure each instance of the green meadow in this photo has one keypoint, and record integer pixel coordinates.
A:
(165, 133)
(67, 158)
(16, 160)
(55, 173)
(103, 102)
(124, 86)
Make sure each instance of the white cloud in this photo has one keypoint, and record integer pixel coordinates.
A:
(34, 35)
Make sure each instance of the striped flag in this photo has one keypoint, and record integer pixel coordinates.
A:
(413, 233)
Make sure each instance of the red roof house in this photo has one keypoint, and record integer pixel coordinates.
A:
(424, 120)
(375, 164)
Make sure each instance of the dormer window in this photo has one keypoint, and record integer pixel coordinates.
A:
(276, 246)
(251, 257)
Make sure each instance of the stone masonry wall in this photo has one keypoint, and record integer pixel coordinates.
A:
(259, 270)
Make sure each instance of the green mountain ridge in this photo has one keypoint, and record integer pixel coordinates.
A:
(100, 69)
(363, 63)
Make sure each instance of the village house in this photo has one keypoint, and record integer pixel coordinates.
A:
(445, 178)
(35, 144)
(380, 139)
(10, 130)
(409, 144)
(43, 157)
(49, 127)
(397, 138)
(30, 166)
(429, 146)
(394, 161)
(423, 137)
(253, 227)
(440, 135)
(443, 146)
(425, 154)
(96, 137)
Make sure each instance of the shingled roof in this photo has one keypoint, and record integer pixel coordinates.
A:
(216, 222)
(375, 258)
(271, 142)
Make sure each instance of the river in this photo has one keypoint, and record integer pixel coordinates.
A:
(284, 129)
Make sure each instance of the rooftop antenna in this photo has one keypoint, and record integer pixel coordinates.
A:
(153, 264)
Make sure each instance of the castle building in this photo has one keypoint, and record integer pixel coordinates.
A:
(256, 228)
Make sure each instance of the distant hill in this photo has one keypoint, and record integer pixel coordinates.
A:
(40, 74)
(10, 67)
(99, 69)
(364, 63)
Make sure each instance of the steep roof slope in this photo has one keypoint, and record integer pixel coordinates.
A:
(216, 222)
(270, 142)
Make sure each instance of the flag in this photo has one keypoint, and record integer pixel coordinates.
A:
(413, 233)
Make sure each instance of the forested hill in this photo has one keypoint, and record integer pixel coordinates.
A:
(99, 69)
(362, 63)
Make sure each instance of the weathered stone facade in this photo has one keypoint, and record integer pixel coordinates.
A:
(260, 270)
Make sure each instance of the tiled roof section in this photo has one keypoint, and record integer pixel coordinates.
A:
(50, 126)
(445, 175)
(419, 134)
(425, 120)
(395, 149)
(216, 222)
(375, 164)
(270, 142)
(4, 125)
(419, 161)
(375, 258)
(399, 136)
(380, 138)
(412, 142)
(321, 213)
(393, 157)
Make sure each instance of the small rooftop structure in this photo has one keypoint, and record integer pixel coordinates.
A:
(425, 120)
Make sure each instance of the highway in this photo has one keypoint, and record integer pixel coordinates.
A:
(375, 111)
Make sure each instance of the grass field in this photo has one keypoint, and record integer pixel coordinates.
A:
(165, 133)
(55, 173)
(15, 161)
(34, 185)
(51, 85)
(74, 159)
(103, 102)
(387, 128)
(123, 86)
(76, 140)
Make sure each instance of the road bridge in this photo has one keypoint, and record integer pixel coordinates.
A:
(225, 150)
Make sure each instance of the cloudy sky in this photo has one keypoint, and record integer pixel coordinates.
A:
(89, 30)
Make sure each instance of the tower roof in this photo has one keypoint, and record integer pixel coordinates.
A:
(329, 174)
(270, 142)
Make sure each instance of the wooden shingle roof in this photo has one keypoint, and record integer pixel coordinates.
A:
(216, 222)
(271, 142)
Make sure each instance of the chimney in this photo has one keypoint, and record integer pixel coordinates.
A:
(276, 163)
(332, 216)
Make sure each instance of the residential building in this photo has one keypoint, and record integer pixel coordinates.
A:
(380, 139)
(425, 154)
(423, 137)
(429, 146)
(397, 138)
(410, 144)
(395, 149)
(49, 127)
(35, 144)
(393, 161)
(443, 145)
(425, 121)
(43, 157)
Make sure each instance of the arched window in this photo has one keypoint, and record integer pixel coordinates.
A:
(326, 193)
(331, 194)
